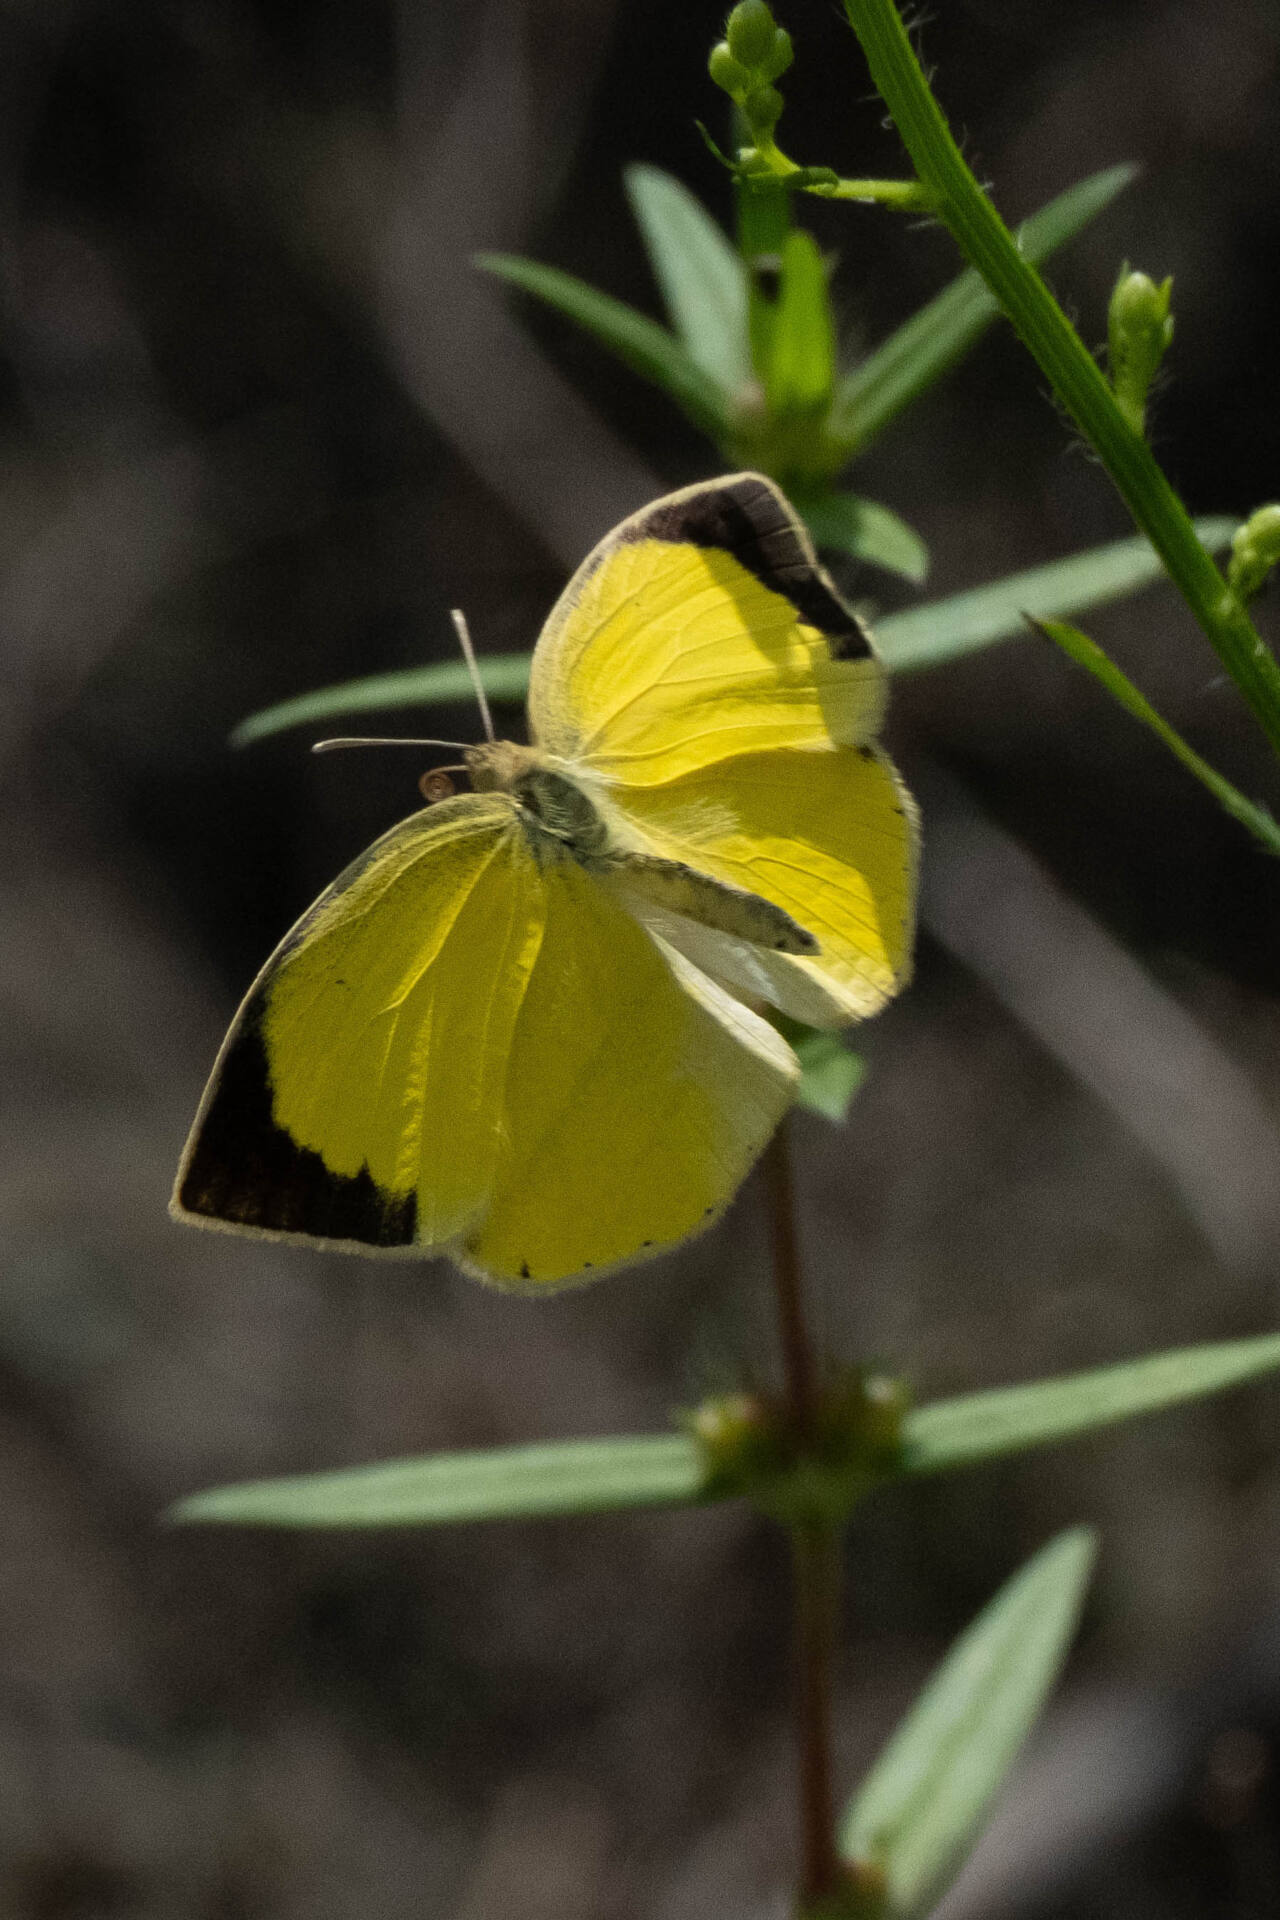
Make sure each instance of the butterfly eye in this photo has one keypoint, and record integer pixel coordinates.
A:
(436, 785)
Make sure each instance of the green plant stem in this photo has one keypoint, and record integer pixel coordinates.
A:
(1088, 654)
(1076, 379)
(773, 165)
(815, 1553)
(908, 196)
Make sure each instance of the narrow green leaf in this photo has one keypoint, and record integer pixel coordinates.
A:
(656, 1470)
(764, 225)
(646, 348)
(801, 363)
(983, 1426)
(947, 629)
(445, 1489)
(921, 350)
(831, 1074)
(926, 1801)
(866, 531)
(926, 636)
(702, 278)
(504, 676)
(1088, 654)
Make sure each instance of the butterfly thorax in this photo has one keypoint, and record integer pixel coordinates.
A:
(554, 810)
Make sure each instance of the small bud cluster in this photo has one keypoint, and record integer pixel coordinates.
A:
(750, 1446)
(753, 54)
(1255, 550)
(1139, 331)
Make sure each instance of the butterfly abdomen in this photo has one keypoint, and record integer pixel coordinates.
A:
(677, 887)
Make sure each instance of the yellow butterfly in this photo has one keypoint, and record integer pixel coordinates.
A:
(521, 1028)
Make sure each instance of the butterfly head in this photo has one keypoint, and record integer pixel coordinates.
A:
(500, 766)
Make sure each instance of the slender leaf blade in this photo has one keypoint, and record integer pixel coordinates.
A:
(448, 1489)
(647, 348)
(764, 225)
(659, 1470)
(922, 349)
(945, 630)
(504, 676)
(927, 636)
(699, 272)
(927, 1799)
(1088, 654)
(800, 367)
(866, 531)
(984, 1426)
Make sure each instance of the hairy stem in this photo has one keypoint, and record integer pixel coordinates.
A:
(1075, 376)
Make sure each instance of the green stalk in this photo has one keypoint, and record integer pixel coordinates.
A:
(906, 196)
(1073, 373)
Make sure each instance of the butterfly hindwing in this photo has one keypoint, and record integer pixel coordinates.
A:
(831, 838)
(638, 1096)
(701, 628)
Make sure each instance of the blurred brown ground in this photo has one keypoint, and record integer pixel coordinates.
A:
(263, 427)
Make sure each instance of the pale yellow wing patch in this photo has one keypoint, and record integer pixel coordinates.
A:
(701, 629)
(637, 1097)
(829, 837)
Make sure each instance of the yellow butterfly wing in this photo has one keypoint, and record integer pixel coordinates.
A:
(357, 1099)
(701, 628)
(638, 1096)
(467, 1048)
(829, 837)
(701, 671)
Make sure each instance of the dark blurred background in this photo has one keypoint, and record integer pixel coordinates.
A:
(263, 426)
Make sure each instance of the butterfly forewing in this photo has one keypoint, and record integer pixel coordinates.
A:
(358, 1097)
(701, 628)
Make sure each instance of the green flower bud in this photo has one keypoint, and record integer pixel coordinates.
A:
(737, 1436)
(780, 55)
(865, 1412)
(727, 72)
(721, 1424)
(762, 108)
(1255, 550)
(1139, 330)
(749, 31)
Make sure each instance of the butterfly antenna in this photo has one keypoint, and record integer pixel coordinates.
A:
(469, 655)
(377, 740)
